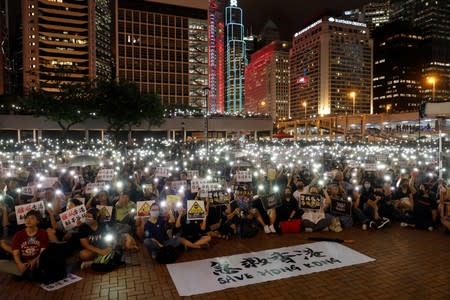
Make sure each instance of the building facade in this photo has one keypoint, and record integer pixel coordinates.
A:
(431, 20)
(163, 47)
(65, 42)
(373, 14)
(267, 81)
(397, 68)
(235, 58)
(331, 69)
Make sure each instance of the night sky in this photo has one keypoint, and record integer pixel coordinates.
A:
(290, 15)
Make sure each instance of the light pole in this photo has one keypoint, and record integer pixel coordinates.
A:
(262, 104)
(353, 95)
(432, 80)
(206, 90)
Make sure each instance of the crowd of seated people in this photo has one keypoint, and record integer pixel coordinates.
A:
(369, 199)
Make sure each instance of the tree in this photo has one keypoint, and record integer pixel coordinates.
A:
(71, 104)
(122, 106)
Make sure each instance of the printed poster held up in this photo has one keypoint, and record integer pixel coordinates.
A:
(195, 210)
(105, 175)
(22, 210)
(73, 217)
(243, 176)
(105, 212)
(143, 208)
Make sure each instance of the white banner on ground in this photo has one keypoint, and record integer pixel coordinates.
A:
(219, 273)
(71, 278)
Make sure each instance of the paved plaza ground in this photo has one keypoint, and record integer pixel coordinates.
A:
(410, 264)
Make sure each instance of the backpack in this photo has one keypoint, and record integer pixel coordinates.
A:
(167, 255)
(52, 263)
(108, 262)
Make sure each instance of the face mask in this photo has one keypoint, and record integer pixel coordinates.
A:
(154, 214)
(367, 186)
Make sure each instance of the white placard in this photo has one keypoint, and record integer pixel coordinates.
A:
(90, 187)
(191, 174)
(162, 172)
(195, 210)
(143, 208)
(243, 176)
(73, 217)
(28, 190)
(217, 274)
(176, 185)
(47, 182)
(22, 210)
(8, 172)
(105, 175)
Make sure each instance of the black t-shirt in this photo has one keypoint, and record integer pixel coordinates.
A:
(95, 237)
(156, 230)
(191, 229)
(286, 209)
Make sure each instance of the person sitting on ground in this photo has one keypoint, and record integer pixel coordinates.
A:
(57, 232)
(289, 208)
(424, 210)
(156, 233)
(194, 231)
(27, 246)
(315, 220)
(93, 238)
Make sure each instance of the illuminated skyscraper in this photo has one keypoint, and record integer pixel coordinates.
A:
(329, 60)
(162, 45)
(70, 38)
(235, 59)
(267, 81)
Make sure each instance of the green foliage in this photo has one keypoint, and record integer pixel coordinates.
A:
(70, 105)
(123, 106)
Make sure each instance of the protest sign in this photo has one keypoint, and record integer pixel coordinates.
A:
(195, 210)
(73, 217)
(341, 207)
(173, 199)
(22, 210)
(271, 174)
(243, 176)
(192, 174)
(162, 172)
(143, 208)
(94, 187)
(105, 175)
(28, 190)
(217, 274)
(310, 201)
(105, 211)
(8, 172)
(271, 201)
(176, 185)
(47, 182)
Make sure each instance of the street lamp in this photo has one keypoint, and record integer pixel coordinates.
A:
(432, 80)
(304, 105)
(206, 91)
(388, 108)
(353, 95)
(262, 104)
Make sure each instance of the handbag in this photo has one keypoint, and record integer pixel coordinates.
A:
(291, 226)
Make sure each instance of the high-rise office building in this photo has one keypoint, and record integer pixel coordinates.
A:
(374, 14)
(216, 52)
(163, 47)
(235, 58)
(431, 20)
(267, 81)
(397, 69)
(331, 69)
(4, 44)
(69, 40)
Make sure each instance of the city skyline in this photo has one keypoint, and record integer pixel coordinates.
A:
(293, 15)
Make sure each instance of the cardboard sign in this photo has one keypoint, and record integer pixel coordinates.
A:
(191, 174)
(73, 217)
(195, 210)
(47, 182)
(172, 199)
(271, 174)
(243, 176)
(310, 201)
(271, 201)
(8, 172)
(105, 212)
(143, 208)
(94, 187)
(28, 190)
(105, 175)
(176, 185)
(341, 207)
(162, 172)
(22, 210)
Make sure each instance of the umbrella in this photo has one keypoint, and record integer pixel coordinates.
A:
(84, 160)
